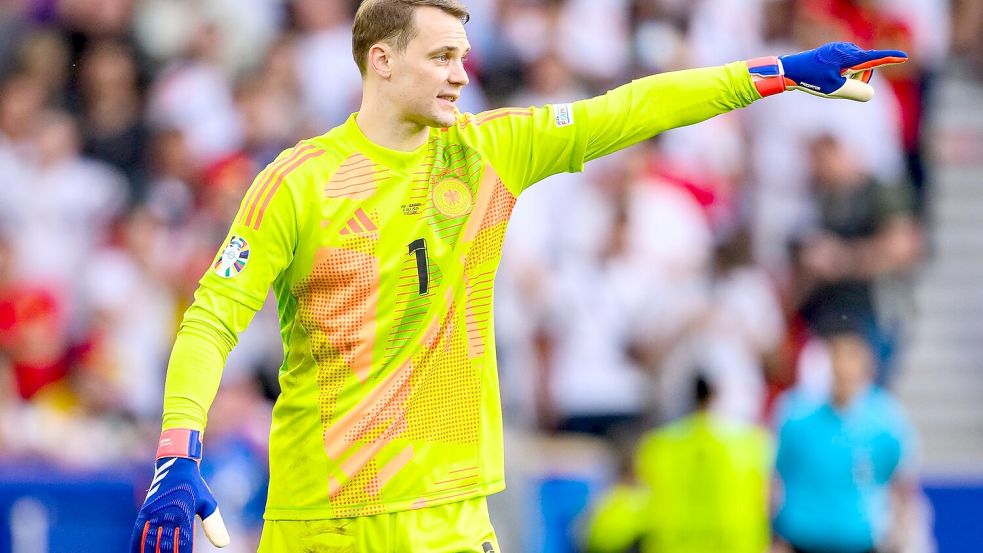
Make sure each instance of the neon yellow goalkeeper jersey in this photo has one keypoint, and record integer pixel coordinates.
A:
(383, 265)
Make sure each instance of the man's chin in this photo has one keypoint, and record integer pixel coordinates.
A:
(443, 119)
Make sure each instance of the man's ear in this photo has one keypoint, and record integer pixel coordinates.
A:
(381, 59)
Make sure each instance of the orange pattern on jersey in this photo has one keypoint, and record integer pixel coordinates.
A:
(478, 310)
(259, 183)
(487, 229)
(493, 205)
(443, 406)
(359, 495)
(487, 116)
(480, 119)
(264, 189)
(358, 437)
(358, 224)
(338, 307)
(380, 412)
(453, 481)
(357, 177)
(420, 190)
(394, 465)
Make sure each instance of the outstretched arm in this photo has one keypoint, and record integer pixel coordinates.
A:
(532, 144)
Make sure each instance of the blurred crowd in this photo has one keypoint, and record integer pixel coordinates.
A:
(129, 130)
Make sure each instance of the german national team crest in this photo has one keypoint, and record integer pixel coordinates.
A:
(233, 259)
(452, 198)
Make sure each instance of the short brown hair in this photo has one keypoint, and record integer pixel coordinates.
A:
(391, 21)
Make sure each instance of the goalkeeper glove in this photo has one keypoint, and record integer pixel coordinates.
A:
(166, 521)
(834, 70)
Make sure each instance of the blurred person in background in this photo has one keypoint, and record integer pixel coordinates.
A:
(864, 231)
(270, 103)
(598, 308)
(918, 26)
(134, 269)
(22, 98)
(600, 63)
(45, 55)
(64, 402)
(736, 336)
(846, 460)
(699, 484)
(64, 206)
(172, 177)
(112, 112)
(193, 93)
(968, 34)
(34, 341)
(779, 193)
(330, 87)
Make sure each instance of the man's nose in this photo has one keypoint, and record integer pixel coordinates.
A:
(459, 76)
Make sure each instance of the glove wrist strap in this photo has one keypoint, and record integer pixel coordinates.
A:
(768, 75)
(180, 442)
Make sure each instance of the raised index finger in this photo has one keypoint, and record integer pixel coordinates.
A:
(877, 58)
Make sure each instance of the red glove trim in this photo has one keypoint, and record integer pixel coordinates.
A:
(179, 442)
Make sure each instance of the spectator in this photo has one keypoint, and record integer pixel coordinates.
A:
(330, 84)
(133, 270)
(112, 112)
(779, 165)
(193, 94)
(702, 488)
(63, 207)
(865, 231)
(34, 342)
(594, 384)
(843, 459)
(270, 104)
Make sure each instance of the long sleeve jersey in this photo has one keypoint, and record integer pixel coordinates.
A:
(383, 264)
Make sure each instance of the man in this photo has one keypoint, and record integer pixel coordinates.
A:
(866, 231)
(844, 462)
(702, 488)
(381, 239)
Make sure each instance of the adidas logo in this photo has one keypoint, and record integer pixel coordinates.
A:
(358, 224)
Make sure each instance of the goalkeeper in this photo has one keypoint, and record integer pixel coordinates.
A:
(381, 239)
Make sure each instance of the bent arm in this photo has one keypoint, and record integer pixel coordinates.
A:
(209, 331)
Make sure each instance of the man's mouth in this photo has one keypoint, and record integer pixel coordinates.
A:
(448, 98)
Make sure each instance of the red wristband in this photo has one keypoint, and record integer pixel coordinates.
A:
(769, 78)
(179, 442)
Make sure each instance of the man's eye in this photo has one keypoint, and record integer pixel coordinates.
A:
(442, 58)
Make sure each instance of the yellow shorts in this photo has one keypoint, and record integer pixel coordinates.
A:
(457, 527)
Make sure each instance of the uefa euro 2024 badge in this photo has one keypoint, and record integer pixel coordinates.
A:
(233, 259)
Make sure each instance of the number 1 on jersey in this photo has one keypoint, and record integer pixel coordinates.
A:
(419, 246)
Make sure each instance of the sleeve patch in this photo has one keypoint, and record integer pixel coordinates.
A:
(233, 259)
(563, 114)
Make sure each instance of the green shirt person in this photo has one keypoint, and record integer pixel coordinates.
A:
(702, 487)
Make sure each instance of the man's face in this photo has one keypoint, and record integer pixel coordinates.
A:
(852, 363)
(428, 77)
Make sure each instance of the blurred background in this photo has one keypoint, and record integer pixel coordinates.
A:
(782, 256)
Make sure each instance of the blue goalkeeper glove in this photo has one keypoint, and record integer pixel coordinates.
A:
(834, 70)
(166, 521)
